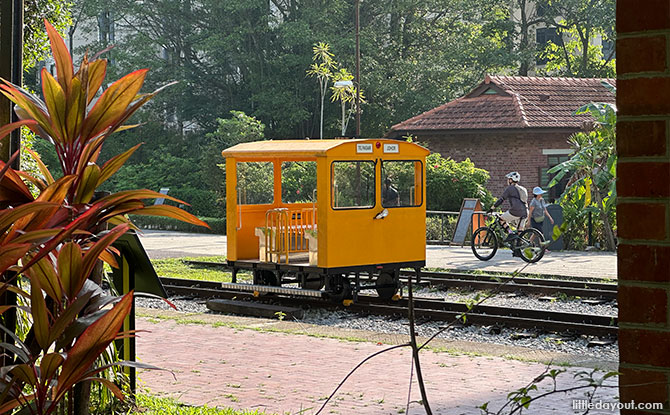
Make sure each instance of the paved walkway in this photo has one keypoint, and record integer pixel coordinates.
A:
(162, 244)
(291, 374)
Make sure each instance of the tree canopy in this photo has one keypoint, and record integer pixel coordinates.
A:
(253, 56)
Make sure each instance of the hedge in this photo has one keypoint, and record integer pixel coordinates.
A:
(217, 225)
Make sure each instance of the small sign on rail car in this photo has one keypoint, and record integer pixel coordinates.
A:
(363, 148)
(391, 148)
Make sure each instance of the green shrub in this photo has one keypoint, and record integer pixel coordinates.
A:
(448, 182)
(217, 225)
(576, 218)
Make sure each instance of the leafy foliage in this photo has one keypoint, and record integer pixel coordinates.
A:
(298, 181)
(448, 182)
(54, 239)
(252, 55)
(35, 41)
(592, 170)
(581, 23)
(575, 58)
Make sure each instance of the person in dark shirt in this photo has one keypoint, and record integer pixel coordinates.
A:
(389, 195)
(517, 196)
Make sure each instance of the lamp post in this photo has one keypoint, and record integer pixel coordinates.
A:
(358, 69)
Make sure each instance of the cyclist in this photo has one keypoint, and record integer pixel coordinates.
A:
(517, 196)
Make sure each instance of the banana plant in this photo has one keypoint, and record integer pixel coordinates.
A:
(592, 166)
(50, 237)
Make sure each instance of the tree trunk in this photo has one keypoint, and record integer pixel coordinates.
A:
(81, 393)
(609, 234)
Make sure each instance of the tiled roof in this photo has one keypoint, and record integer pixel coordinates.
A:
(502, 102)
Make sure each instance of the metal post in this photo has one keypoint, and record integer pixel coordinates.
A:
(358, 69)
(17, 74)
(441, 228)
(590, 235)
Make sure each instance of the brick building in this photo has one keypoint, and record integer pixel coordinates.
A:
(510, 123)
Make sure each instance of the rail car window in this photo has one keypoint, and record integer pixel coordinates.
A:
(353, 184)
(401, 183)
(255, 184)
(298, 181)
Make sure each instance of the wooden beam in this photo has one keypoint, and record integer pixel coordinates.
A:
(11, 45)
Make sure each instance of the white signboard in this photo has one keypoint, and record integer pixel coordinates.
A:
(391, 148)
(363, 148)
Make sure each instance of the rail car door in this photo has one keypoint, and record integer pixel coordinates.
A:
(376, 212)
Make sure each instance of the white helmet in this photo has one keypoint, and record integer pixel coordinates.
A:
(515, 176)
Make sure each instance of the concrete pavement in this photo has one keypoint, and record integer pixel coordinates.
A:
(166, 244)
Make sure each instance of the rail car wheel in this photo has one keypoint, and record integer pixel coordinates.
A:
(386, 285)
(338, 287)
(313, 281)
(265, 277)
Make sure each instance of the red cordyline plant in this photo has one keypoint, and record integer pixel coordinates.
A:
(53, 241)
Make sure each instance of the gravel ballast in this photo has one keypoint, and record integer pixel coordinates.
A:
(578, 345)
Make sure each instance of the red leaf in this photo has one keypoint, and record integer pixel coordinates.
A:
(171, 212)
(112, 104)
(115, 163)
(93, 254)
(54, 98)
(93, 341)
(6, 129)
(69, 269)
(11, 253)
(62, 57)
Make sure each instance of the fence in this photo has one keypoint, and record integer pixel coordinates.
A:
(440, 226)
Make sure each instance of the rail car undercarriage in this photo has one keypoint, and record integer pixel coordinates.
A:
(336, 284)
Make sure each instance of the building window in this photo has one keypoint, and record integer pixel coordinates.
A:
(542, 38)
(105, 28)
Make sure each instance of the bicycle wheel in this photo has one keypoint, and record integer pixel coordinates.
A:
(484, 243)
(530, 245)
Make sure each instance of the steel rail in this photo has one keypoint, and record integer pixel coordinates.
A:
(427, 309)
(544, 286)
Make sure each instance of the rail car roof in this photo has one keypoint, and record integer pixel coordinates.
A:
(303, 148)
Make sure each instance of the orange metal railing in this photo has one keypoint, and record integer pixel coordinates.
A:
(285, 232)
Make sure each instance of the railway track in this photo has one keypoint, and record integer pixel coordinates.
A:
(425, 310)
(542, 286)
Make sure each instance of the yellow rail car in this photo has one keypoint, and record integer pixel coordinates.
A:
(326, 212)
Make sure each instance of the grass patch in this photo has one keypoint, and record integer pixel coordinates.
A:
(150, 405)
(179, 268)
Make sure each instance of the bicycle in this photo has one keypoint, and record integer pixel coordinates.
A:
(527, 244)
